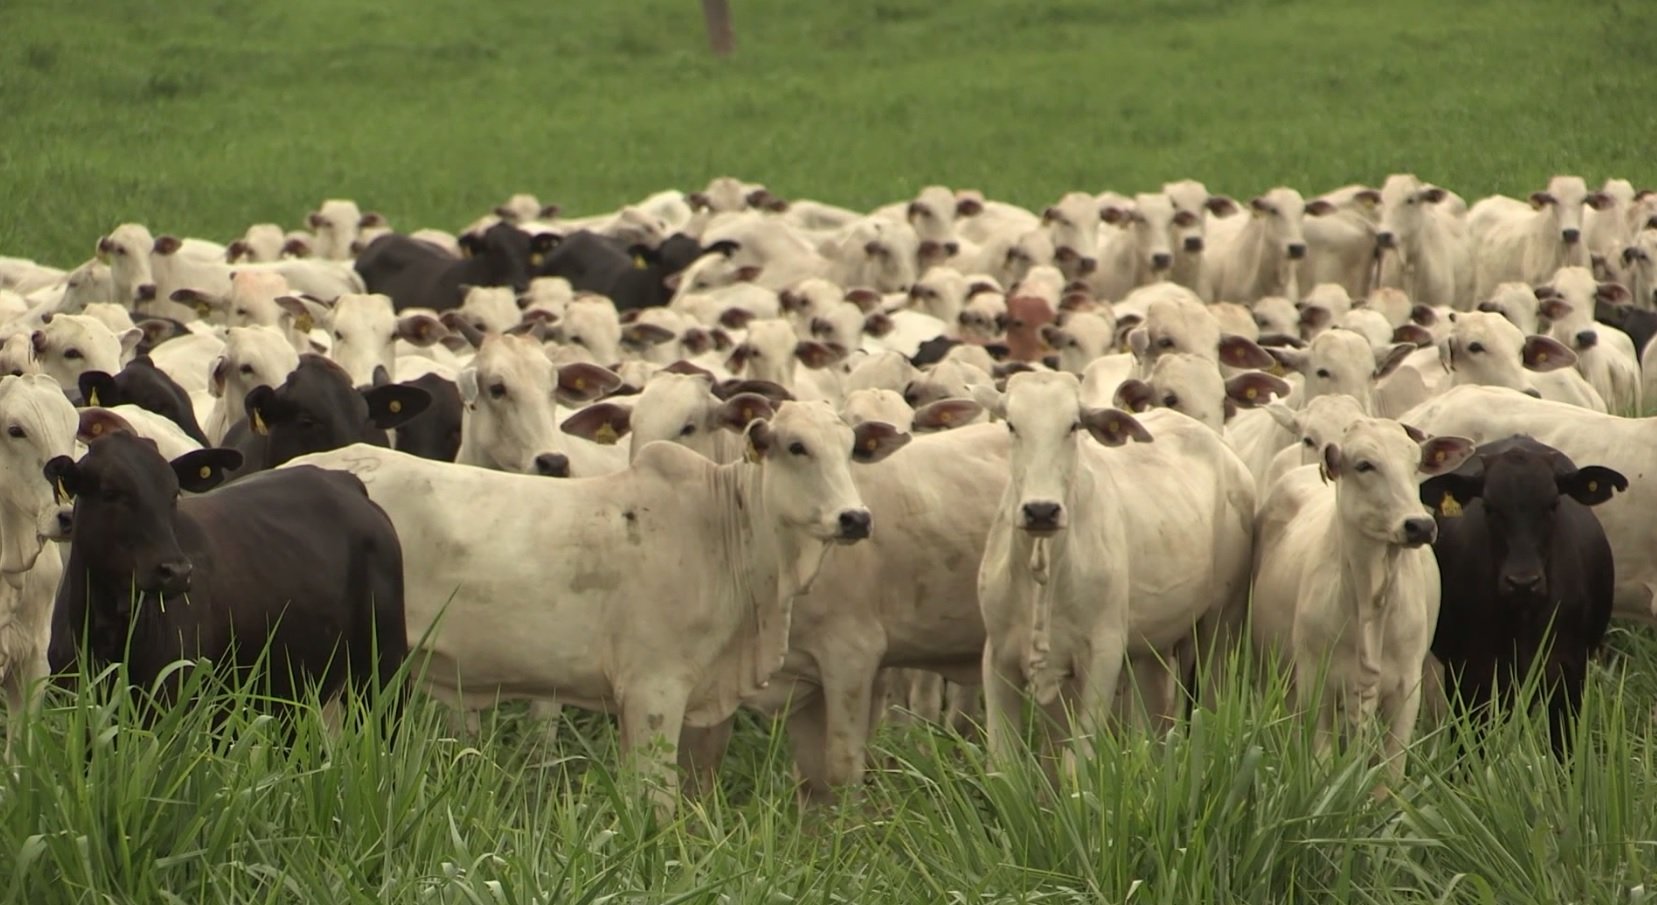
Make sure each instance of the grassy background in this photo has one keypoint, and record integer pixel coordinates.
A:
(202, 117)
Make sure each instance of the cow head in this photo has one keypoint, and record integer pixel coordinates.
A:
(317, 408)
(69, 345)
(36, 424)
(1377, 466)
(803, 453)
(509, 393)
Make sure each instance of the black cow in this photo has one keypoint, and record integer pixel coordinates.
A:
(418, 274)
(1520, 557)
(317, 409)
(142, 384)
(1638, 323)
(435, 433)
(632, 276)
(300, 557)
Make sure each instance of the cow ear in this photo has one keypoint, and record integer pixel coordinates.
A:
(739, 357)
(467, 383)
(1112, 214)
(1388, 361)
(1368, 197)
(816, 355)
(98, 389)
(1554, 309)
(946, 413)
(1432, 194)
(130, 338)
(968, 207)
(743, 409)
(99, 422)
(603, 422)
(1220, 205)
(1134, 395)
(1286, 418)
(1114, 427)
(1540, 200)
(541, 243)
(1315, 317)
(726, 247)
(1330, 468)
(878, 324)
(1442, 455)
(991, 398)
(646, 334)
(1592, 485)
(64, 476)
(1423, 315)
(258, 405)
(725, 389)
(875, 440)
(758, 433)
(1447, 494)
(166, 245)
(1612, 293)
(583, 382)
(1544, 353)
(1242, 352)
(200, 470)
(1414, 334)
(1255, 388)
(395, 403)
(469, 244)
(1415, 433)
(1600, 201)
(1290, 359)
(1138, 343)
(1319, 208)
(420, 329)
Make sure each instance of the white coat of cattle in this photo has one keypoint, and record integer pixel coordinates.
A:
(1343, 546)
(1253, 257)
(1072, 223)
(337, 224)
(1423, 245)
(1315, 425)
(1604, 354)
(1485, 348)
(262, 243)
(252, 356)
(127, 251)
(1628, 445)
(678, 576)
(174, 270)
(1639, 269)
(365, 329)
(1516, 241)
(1192, 385)
(1193, 205)
(510, 422)
(1080, 532)
(69, 345)
(1340, 243)
(39, 424)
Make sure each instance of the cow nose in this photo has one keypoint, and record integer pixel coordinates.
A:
(1490, 308)
(146, 292)
(1386, 239)
(1297, 250)
(854, 524)
(552, 465)
(173, 577)
(1088, 265)
(952, 248)
(1528, 582)
(1418, 531)
(1586, 339)
(1193, 244)
(1571, 236)
(66, 524)
(1162, 261)
(1042, 515)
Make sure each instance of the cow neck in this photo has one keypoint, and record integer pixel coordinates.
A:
(769, 565)
(21, 539)
(1369, 577)
(1260, 251)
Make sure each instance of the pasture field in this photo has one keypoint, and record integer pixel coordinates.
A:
(199, 118)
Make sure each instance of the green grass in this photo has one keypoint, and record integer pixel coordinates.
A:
(200, 118)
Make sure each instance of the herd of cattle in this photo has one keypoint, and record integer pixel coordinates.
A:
(1068, 456)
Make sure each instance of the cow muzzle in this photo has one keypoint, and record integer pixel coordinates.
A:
(1161, 261)
(1296, 250)
(1041, 517)
(171, 577)
(1418, 532)
(552, 465)
(854, 525)
(1524, 583)
(1571, 236)
(1194, 244)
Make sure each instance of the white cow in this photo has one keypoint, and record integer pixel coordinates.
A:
(1252, 257)
(510, 422)
(39, 425)
(337, 225)
(251, 357)
(1513, 240)
(1604, 354)
(69, 345)
(1340, 243)
(170, 439)
(1485, 348)
(1343, 546)
(174, 270)
(1193, 205)
(127, 251)
(1423, 245)
(678, 576)
(1192, 385)
(262, 243)
(1072, 223)
(1318, 423)
(365, 330)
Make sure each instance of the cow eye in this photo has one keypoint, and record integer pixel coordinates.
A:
(17, 431)
(1260, 321)
(1075, 426)
(1364, 467)
(1170, 400)
(341, 336)
(1015, 323)
(120, 251)
(1324, 373)
(687, 430)
(1308, 442)
(1410, 200)
(796, 448)
(1166, 342)
(241, 312)
(247, 369)
(497, 391)
(578, 340)
(72, 354)
(1475, 347)
(17, 372)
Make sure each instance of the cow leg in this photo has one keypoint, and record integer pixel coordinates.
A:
(701, 750)
(926, 695)
(964, 708)
(1399, 710)
(807, 737)
(547, 713)
(891, 690)
(1564, 697)
(1097, 685)
(652, 716)
(1003, 704)
(848, 691)
(16, 713)
(1309, 693)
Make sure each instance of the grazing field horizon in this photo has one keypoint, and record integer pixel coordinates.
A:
(199, 119)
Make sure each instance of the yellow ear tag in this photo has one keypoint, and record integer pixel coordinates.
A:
(605, 434)
(1439, 457)
(396, 405)
(1593, 486)
(535, 258)
(259, 424)
(640, 262)
(92, 400)
(944, 417)
(206, 472)
(97, 428)
(1277, 369)
(1541, 356)
(203, 310)
(1114, 427)
(871, 444)
(751, 454)
(58, 493)
(579, 383)
(304, 323)
(1251, 393)
(1448, 507)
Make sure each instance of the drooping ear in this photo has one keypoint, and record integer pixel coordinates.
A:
(726, 247)
(878, 324)
(758, 433)
(817, 355)
(98, 422)
(603, 422)
(743, 409)
(1367, 197)
(166, 245)
(420, 329)
(1612, 293)
(1540, 200)
(394, 404)
(1114, 427)
(98, 389)
(1330, 468)
(1049, 215)
(991, 398)
(1592, 485)
(1255, 388)
(467, 383)
(1448, 494)
(735, 318)
(1432, 194)
(64, 476)
(725, 389)
(875, 440)
(1242, 352)
(1388, 360)
(1220, 205)
(1113, 214)
(371, 220)
(583, 382)
(1290, 359)
(638, 334)
(946, 413)
(1286, 418)
(1134, 395)
(1423, 315)
(1442, 455)
(1554, 309)
(1600, 201)
(1544, 353)
(235, 250)
(1319, 208)
(1414, 334)
(968, 207)
(200, 470)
